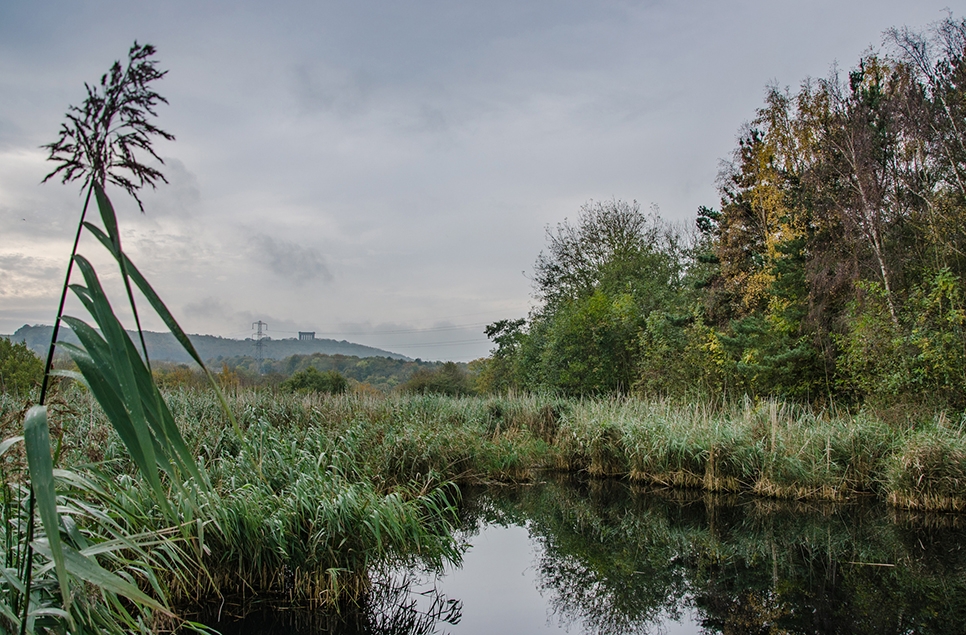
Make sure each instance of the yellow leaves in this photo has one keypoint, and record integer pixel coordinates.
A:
(715, 349)
(752, 288)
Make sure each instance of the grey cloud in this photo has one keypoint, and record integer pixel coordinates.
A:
(432, 119)
(10, 134)
(209, 307)
(30, 210)
(25, 278)
(212, 310)
(28, 266)
(180, 196)
(320, 88)
(290, 260)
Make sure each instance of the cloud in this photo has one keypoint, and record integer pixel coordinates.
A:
(209, 307)
(23, 277)
(11, 135)
(210, 311)
(319, 88)
(290, 260)
(179, 197)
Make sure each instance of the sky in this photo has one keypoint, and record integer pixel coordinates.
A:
(386, 172)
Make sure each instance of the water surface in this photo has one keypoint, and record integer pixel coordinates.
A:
(604, 557)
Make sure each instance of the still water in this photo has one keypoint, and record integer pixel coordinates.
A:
(604, 557)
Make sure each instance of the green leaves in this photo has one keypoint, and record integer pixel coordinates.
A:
(117, 375)
(87, 569)
(20, 369)
(37, 442)
(121, 381)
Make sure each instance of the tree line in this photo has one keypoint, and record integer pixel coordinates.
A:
(831, 270)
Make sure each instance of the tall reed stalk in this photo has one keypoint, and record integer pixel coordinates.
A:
(96, 146)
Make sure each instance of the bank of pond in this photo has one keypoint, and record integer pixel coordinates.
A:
(331, 503)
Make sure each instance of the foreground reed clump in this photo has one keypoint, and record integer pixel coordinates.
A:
(287, 511)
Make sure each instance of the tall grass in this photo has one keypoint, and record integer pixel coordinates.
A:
(285, 519)
(769, 448)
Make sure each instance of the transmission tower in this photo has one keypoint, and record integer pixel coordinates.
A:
(258, 341)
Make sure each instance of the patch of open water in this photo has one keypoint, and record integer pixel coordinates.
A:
(603, 557)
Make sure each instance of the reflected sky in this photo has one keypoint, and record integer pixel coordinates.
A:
(499, 584)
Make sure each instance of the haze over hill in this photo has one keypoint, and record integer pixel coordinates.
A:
(164, 347)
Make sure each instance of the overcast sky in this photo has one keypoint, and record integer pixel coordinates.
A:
(384, 172)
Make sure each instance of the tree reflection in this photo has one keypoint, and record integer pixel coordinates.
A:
(618, 560)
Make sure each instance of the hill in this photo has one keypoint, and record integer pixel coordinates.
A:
(164, 347)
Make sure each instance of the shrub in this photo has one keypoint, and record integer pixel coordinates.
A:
(311, 380)
(448, 379)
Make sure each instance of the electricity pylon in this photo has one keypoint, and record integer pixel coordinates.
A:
(258, 341)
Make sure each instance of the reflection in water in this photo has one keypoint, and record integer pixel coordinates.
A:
(615, 559)
(606, 558)
(395, 605)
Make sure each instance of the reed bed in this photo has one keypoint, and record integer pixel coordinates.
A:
(319, 491)
(768, 448)
(419, 441)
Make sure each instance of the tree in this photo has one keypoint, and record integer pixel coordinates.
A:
(449, 379)
(499, 372)
(612, 247)
(20, 369)
(598, 280)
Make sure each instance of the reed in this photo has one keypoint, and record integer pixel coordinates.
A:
(769, 448)
(928, 469)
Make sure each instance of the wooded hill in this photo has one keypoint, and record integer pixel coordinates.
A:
(831, 270)
(164, 347)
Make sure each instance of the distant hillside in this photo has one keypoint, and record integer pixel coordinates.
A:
(163, 346)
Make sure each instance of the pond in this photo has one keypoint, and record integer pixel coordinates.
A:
(605, 557)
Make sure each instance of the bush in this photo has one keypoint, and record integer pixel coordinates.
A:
(448, 379)
(20, 369)
(311, 380)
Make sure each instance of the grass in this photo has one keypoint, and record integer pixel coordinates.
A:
(268, 513)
